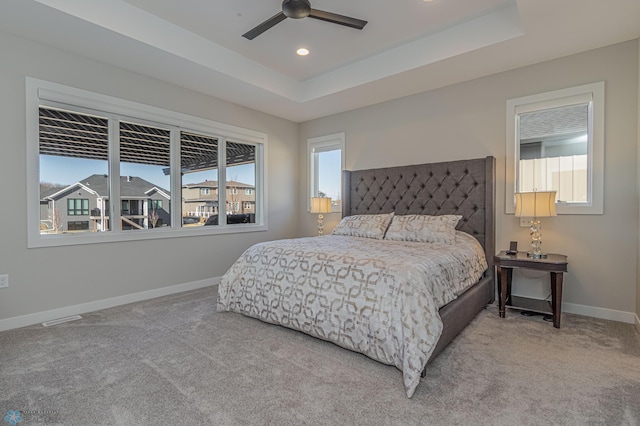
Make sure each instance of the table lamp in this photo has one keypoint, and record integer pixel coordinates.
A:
(320, 205)
(536, 205)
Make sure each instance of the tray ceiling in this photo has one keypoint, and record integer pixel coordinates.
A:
(407, 47)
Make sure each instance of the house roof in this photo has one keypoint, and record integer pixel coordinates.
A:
(130, 186)
(214, 184)
(50, 191)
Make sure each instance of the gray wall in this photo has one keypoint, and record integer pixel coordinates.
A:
(49, 278)
(467, 120)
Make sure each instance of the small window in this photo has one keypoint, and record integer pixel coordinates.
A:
(326, 162)
(204, 191)
(555, 142)
(247, 206)
(77, 206)
(78, 225)
(248, 191)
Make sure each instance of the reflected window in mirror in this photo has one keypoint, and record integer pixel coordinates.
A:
(555, 142)
(554, 145)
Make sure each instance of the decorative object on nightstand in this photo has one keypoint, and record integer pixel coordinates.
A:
(320, 205)
(536, 205)
(555, 264)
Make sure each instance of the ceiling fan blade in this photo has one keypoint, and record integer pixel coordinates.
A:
(255, 32)
(337, 19)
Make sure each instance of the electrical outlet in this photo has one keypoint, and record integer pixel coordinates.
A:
(526, 222)
(4, 281)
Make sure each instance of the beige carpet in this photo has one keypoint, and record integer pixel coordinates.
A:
(174, 360)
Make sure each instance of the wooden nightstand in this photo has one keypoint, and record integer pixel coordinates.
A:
(555, 264)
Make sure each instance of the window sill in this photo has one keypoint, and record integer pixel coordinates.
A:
(57, 240)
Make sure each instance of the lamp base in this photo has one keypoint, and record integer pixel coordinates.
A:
(320, 224)
(536, 241)
(536, 255)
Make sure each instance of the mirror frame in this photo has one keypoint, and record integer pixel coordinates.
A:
(592, 93)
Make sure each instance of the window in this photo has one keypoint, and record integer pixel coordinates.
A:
(88, 148)
(247, 206)
(555, 142)
(78, 225)
(68, 142)
(326, 162)
(77, 206)
(199, 163)
(242, 169)
(145, 160)
(131, 208)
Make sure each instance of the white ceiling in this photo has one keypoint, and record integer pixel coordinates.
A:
(407, 47)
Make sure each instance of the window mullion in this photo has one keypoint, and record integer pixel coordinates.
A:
(114, 175)
(315, 173)
(176, 180)
(260, 185)
(222, 181)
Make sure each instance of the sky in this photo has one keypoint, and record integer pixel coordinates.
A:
(329, 170)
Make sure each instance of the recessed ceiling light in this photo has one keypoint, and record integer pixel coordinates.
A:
(302, 51)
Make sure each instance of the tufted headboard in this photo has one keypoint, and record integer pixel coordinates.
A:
(463, 187)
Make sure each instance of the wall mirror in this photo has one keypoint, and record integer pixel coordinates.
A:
(555, 142)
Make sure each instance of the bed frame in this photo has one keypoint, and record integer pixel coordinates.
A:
(464, 187)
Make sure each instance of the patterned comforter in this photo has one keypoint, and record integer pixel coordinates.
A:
(376, 297)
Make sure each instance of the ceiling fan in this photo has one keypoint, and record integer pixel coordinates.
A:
(297, 9)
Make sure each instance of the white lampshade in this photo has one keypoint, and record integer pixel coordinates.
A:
(536, 204)
(320, 205)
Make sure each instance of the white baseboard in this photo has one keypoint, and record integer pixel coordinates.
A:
(593, 311)
(39, 317)
(603, 313)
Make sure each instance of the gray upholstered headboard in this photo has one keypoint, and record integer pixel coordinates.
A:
(464, 187)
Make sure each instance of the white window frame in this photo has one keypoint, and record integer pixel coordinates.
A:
(589, 93)
(40, 92)
(314, 147)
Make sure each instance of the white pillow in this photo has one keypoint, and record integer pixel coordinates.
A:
(365, 225)
(423, 228)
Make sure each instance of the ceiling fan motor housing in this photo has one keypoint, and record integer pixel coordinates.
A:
(296, 9)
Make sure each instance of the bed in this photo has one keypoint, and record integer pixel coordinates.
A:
(372, 287)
